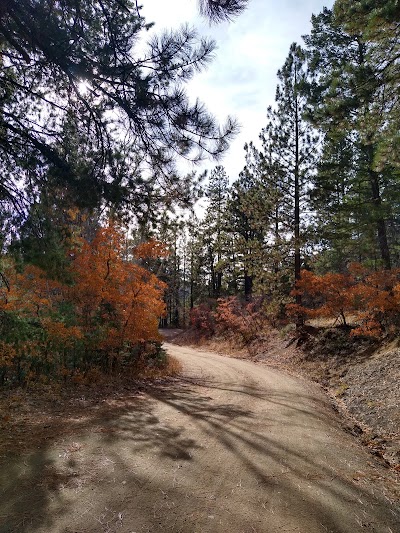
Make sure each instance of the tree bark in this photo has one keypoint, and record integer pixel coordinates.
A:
(297, 252)
(377, 204)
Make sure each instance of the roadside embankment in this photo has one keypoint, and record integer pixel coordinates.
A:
(361, 375)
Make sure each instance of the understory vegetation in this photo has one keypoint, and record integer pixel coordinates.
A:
(310, 228)
(99, 315)
(100, 240)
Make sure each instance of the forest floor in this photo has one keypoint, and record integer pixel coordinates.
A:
(361, 376)
(229, 445)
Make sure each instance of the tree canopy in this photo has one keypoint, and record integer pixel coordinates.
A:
(82, 66)
(94, 117)
(217, 10)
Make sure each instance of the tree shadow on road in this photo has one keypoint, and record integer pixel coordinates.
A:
(286, 466)
(98, 475)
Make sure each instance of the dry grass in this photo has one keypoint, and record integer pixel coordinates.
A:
(351, 320)
(172, 368)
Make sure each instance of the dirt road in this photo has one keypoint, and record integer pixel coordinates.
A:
(231, 447)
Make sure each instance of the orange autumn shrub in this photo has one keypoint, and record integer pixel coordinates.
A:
(246, 319)
(105, 317)
(330, 296)
(118, 300)
(378, 297)
(151, 249)
(27, 299)
(371, 297)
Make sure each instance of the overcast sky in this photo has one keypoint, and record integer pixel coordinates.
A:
(241, 81)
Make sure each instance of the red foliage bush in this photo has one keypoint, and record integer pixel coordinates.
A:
(50, 329)
(330, 296)
(372, 297)
(202, 319)
(245, 318)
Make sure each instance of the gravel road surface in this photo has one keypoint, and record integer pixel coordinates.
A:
(230, 447)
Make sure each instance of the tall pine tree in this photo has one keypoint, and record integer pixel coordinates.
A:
(344, 103)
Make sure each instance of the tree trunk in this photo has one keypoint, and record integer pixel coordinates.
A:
(219, 284)
(248, 285)
(191, 280)
(297, 256)
(380, 221)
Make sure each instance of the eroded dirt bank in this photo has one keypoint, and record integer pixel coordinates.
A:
(230, 446)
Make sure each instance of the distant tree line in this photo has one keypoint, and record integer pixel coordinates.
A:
(319, 191)
(91, 127)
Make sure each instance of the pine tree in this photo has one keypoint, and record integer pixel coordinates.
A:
(344, 104)
(217, 10)
(198, 271)
(272, 215)
(84, 53)
(215, 227)
(245, 216)
(289, 146)
(170, 231)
